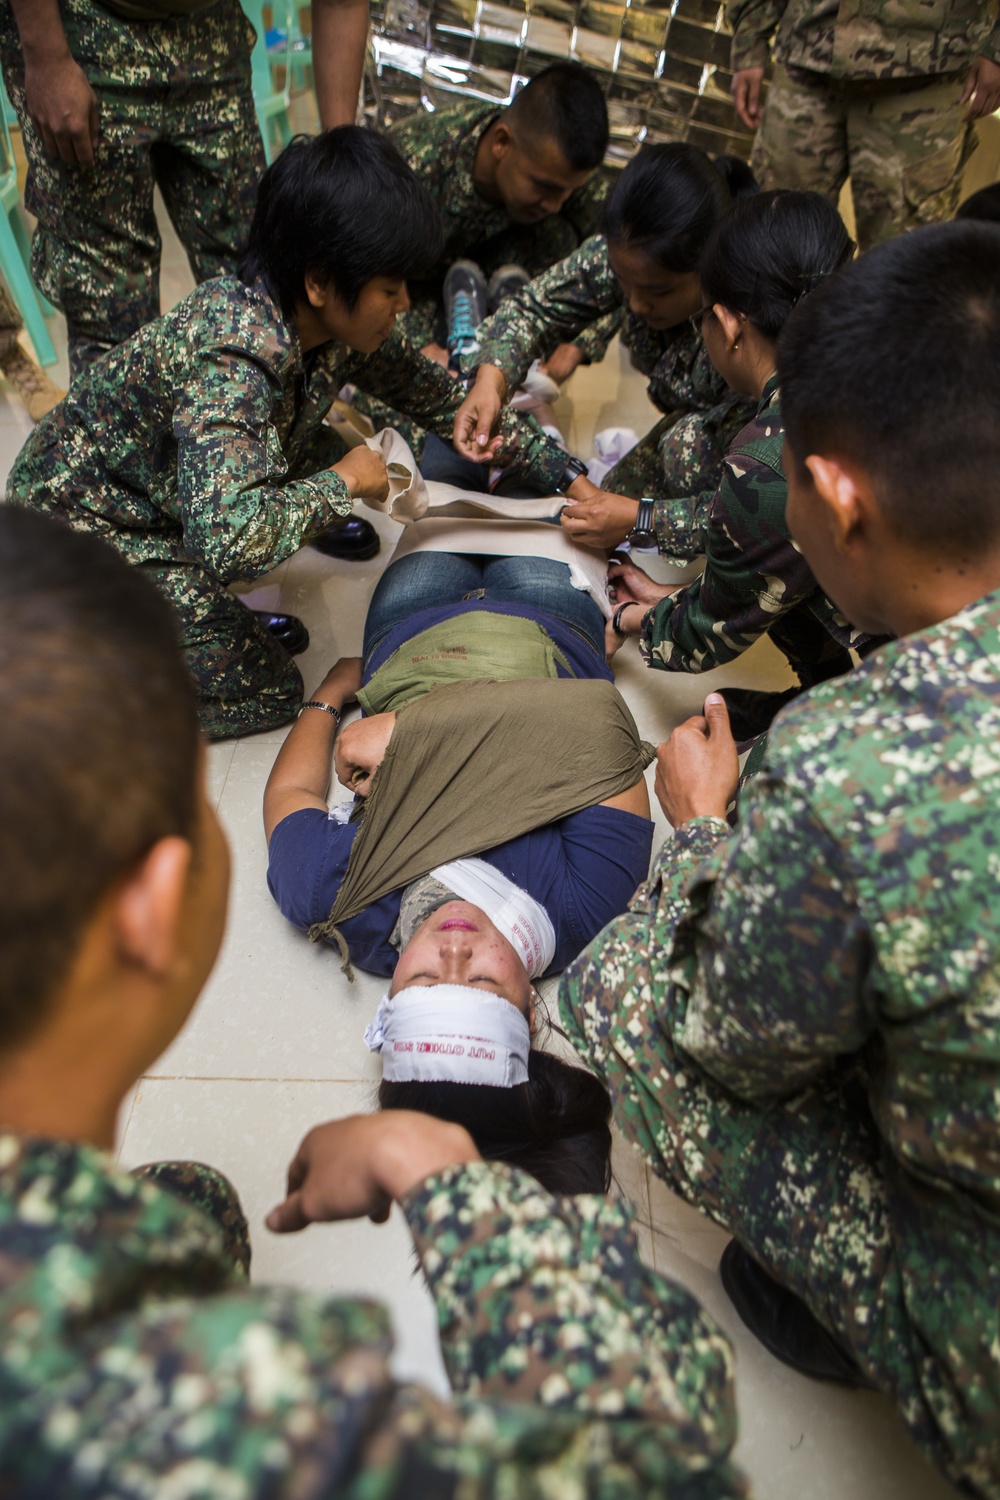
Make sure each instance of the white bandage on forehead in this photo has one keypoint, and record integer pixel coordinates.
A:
(523, 921)
(450, 1033)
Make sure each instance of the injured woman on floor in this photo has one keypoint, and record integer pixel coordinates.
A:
(500, 820)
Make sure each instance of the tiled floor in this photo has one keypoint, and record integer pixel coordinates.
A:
(276, 1045)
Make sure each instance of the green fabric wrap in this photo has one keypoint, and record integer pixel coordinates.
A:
(473, 764)
(472, 646)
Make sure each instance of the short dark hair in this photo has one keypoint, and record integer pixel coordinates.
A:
(345, 206)
(770, 251)
(564, 103)
(556, 1126)
(668, 200)
(983, 205)
(99, 754)
(894, 363)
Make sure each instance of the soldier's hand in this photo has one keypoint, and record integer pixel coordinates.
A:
(627, 583)
(63, 109)
(561, 363)
(475, 432)
(364, 473)
(602, 520)
(746, 95)
(982, 89)
(350, 1168)
(697, 769)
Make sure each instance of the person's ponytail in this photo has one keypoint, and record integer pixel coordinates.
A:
(556, 1126)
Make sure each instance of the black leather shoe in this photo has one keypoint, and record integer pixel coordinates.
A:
(352, 538)
(288, 630)
(783, 1323)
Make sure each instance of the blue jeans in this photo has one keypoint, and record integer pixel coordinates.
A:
(423, 580)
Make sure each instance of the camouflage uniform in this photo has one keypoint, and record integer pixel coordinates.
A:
(199, 450)
(441, 149)
(870, 92)
(798, 1023)
(135, 1362)
(176, 109)
(681, 457)
(755, 582)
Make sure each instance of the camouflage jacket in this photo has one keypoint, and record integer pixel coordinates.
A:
(864, 39)
(850, 929)
(134, 1357)
(558, 305)
(441, 149)
(203, 437)
(755, 580)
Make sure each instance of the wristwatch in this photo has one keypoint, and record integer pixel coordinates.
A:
(643, 534)
(575, 469)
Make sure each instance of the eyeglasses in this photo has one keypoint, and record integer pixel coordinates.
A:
(696, 319)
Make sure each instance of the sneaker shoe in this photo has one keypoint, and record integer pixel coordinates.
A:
(464, 306)
(506, 281)
(32, 384)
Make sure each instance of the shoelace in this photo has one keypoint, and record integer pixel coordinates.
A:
(463, 329)
(24, 374)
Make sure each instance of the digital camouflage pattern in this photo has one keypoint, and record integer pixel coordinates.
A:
(136, 1359)
(870, 91)
(175, 109)
(199, 450)
(441, 149)
(864, 39)
(681, 456)
(799, 1025)
(903, 147)
(755, 582)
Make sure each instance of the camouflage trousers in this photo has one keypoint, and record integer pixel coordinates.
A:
(679, 464)
(211, 1193)
(246, 681)
(902, 142)
(176, 111)
(799, 1183)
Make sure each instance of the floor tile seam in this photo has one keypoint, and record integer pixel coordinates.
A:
(242, 1078)
(128, 1123)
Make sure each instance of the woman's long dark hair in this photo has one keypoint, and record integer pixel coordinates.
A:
(769, 252)
(556, 1126)
(668, 200)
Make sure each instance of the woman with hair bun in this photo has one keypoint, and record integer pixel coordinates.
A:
(640, 275)
(769, 253)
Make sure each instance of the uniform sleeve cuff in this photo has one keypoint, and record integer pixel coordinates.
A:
(750, 52)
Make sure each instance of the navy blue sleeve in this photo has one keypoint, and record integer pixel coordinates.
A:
(583, 869)
(307, 860)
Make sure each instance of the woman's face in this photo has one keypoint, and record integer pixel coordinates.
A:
(661, 298)
(458, 944)
(371, 320)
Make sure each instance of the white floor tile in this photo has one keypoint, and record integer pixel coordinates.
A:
(251, 1131)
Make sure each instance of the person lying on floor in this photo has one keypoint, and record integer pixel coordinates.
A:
(497, 839)
(199, 447)
(137, 1358)
(643, 269)
(457, 649)
(798, 1021)
(761, 261)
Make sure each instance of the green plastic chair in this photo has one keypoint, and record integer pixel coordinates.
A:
(15, 255)
(271, 103)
